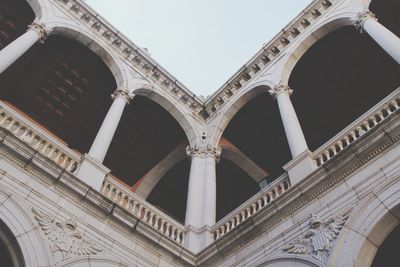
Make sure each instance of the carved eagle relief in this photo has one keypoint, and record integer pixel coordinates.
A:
(318, 240)
(64, 236)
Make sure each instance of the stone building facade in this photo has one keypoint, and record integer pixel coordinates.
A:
(108, 160)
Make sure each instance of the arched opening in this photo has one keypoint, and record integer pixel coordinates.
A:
(234, 186)
(15, 16)
(387, 13)
(10, 252)
(170, 193)
(64, 87)
(388, 254)
(338, 79)
(146, 134)
(257, 131)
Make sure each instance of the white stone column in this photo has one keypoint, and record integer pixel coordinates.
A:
(201, 201)
(12, 52)
(368, 22)
(107, 130)
(294, 133)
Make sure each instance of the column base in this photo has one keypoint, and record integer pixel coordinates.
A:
(300, 167)
(197, 239)
(92, 172)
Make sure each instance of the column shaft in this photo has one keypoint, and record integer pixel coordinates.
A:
(210, 192)
(382, 36)
(107, 130)
(294, 133)
(385, 38)
(13, 51)
(195, 198)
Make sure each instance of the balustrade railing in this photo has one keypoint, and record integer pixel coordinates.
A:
(251, 207)
(358, 128)
(38, 139)
(144, 211)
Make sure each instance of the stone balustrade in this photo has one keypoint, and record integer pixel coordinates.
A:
(38, 139)
(143, 210)
(251, 207)
(358, 128)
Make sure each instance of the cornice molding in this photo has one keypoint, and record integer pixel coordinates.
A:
(269, 54)
(135, 56)
(141, 61)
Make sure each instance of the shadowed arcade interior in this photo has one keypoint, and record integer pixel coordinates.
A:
(343, 75)
(146, 134)
(388, 254)
(258, 132)
(15, 16)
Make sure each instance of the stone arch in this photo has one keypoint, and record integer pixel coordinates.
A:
(24, 230)
(81, 35)
(368, 226)
(296, 53)
(219, 124)
(92, 261)
(10, 247)
(283, 261)
(147, 183)
(37, 7)
(174, 108)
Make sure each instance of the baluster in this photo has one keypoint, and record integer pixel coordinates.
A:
(162, 226)
(237, 219)
(157, 222)
(380, 116)
(394, 104)
(366, 125)
(217, 234)
(178, 238)
(168, 226)
(254, 208)
(346, 140)
(388, 110)
(173, 233)
(374, 121)
(3, 118)
(327, 155)
(222, 230)
(353, 135)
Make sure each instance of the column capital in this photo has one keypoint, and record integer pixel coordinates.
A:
(40, 29)
(361, 18)
(280, 89)
(123, 93)
(203, 151)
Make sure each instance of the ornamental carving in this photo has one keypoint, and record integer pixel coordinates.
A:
(318, 240)
(280, 89)
(65, 239)
(40, 29)
(204, 151)
(123, 93)
(362, 17)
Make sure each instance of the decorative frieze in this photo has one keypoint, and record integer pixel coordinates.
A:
(362, 17)
(318, 240)
(204, 151)
(64, 236)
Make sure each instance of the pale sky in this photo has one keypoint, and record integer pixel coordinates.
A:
(201, 42)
